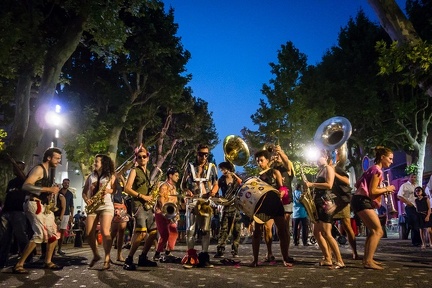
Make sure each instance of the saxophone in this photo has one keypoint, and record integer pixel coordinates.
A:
(97, 200)
(308, 202)
(154, 192)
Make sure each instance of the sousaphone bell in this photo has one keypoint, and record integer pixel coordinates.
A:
(235, 150)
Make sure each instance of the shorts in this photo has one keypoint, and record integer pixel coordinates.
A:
(269, 207)
(144, 220)
(320, 199)
(43, 225)
(64, 223)
(360, 203)
(343, 213)
(288, 208)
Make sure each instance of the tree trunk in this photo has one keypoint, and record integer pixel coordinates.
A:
(32, 130)
(400, 29)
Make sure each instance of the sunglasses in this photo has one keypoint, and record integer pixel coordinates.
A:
(141, 156)
(203, 154)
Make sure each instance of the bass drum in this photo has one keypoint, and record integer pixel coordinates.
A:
(250, 194)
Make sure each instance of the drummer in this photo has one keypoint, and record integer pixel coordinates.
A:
(270, 210)
(199, 183)
(228, 183)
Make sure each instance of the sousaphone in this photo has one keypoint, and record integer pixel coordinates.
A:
(235, 150)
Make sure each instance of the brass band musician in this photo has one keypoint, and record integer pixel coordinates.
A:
(167, 224)
(229, 182)
(199, 183)
(138, 187)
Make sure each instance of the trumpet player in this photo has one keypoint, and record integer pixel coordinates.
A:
(97, 192)
(39, 188)
(367, 198)
(138, 186)
(167, 227)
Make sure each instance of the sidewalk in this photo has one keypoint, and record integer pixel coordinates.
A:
(405, 266)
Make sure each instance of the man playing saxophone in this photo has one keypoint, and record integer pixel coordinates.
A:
(39, 188)
(97, 195)
(138, 186)
(167, 224)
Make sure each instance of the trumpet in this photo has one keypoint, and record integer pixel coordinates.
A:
(388, 199)
(169, 210)
(307, 200)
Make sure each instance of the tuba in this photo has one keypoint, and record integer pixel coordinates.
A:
(333, 133)
(235, 150)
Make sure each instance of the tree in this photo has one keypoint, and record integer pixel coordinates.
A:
(280, 119)
(400, 29)
(40, 37)
(141, 97)
(408, 62)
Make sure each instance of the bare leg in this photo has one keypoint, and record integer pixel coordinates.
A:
(137, 237)
(91, 224)
(120, 240)
(50, 251)
(105, 224)
(346, 223)
(332, 244)
(371, 221)
(268, 238)
(283, 238)
(322, 243)
(26, 253)
(256, 240)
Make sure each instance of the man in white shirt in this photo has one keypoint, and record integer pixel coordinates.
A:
(406, 195)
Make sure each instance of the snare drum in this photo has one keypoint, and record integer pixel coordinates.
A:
(250, 194)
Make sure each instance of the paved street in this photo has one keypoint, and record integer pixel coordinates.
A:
(405, 266)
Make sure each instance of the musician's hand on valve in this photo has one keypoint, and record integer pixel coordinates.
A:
(390, 189)
(188, 193)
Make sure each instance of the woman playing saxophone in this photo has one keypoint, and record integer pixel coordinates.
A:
(325, 208)
(100, 183)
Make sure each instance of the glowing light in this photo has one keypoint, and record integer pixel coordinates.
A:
(53, 118)
(312, 153)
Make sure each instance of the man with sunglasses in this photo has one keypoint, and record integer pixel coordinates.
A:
(200, 181)
(138, 186)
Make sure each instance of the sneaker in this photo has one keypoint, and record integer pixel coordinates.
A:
(129, 265)
(61, 252)
(204, 260)
(145, 262)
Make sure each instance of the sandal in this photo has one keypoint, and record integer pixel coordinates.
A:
(325, 263)
(106, 265)
(19, 270)
(269, 259)
(287, 264)
(337, 266)
(52, 266)
(95, 259)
